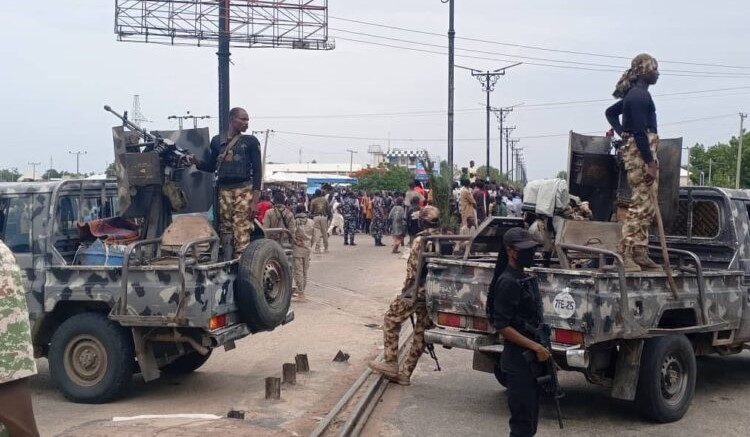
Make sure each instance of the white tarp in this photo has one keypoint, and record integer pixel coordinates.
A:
(282, 176)
(547, 196)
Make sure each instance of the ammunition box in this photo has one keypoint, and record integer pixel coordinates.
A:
(143, 169)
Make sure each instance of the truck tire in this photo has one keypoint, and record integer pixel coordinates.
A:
(264, 289)
(186, 363)
(91, 358)
(666, 383)
(499, 374)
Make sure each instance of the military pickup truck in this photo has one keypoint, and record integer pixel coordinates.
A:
(144, 303)
(624, 331)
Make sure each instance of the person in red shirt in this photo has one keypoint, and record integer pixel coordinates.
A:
(418, 188)
(263, 206)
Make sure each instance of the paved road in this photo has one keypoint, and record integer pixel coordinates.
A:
(461, 401)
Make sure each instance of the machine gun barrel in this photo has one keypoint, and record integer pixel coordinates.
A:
(146, 134)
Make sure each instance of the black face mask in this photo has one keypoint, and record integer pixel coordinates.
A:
(525, 257)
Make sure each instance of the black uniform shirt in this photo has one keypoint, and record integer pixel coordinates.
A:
(252, 148)
(512, 303)
(638, 118)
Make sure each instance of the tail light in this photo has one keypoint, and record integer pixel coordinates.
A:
(217, 322)
(566, 336)
(480, 324)
(452, 320)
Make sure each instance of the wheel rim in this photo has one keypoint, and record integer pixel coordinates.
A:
(273, 281)
(673, 379)
(85, 360)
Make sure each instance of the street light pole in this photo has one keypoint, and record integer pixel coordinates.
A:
(739, 151)
(451, 63)
(78, 160)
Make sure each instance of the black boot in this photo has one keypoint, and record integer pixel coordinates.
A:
(351, 242)
(346, 241)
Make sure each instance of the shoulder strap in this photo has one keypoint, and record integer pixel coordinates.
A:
(229, 147)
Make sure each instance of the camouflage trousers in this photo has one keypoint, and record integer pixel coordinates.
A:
(320, 232)
(376, 228)
(301, 266)
(401, 309)
(641, 210)
(350, 225)
(234, 219)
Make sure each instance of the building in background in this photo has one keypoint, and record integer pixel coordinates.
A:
(405, 157)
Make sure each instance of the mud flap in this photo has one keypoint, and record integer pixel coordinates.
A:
(484, 362)
(627, 370)
(144, 352)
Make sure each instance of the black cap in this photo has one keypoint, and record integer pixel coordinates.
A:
(519, 238)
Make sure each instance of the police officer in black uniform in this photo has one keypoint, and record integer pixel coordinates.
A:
(515, 309)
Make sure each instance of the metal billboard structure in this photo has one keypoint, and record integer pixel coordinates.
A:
(294, 24)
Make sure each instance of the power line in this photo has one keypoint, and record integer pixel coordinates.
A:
(524, 46)
(590, 64)
(714, 75)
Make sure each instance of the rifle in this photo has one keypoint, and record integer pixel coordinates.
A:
(411, 294)
(547, 377)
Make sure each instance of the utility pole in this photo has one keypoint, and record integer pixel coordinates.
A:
(739, 151)
(508, 164)
(195, 118)
(488, 79)
(33, 169)
(351, 159)
(501, 113)
(300, 156)
(265, 148)
(78, 160)
(451, 63)
(223, 55)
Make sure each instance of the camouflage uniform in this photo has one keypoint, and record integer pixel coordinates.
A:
(403, 306)
(302, 237)
(641, 210)
(319, 214)
(234, 205)
(378, 218)
(350, 212)
(16, 352)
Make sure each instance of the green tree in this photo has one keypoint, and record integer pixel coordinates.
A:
(719, 163)
(9, 174)
(441, 187)
(51, 174)
(388, 178)
(495, 174)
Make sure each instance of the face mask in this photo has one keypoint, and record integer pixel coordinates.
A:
(525, 257)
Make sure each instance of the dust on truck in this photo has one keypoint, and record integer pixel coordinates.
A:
(119, 282)
(624, 331)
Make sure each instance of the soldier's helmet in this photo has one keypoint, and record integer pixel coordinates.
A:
(429, 215)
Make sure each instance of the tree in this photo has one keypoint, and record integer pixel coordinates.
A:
(51, 174)
(719, 163)
(495, 174)
(562, 174)
(9, 174)
(441, 187)
(388, 178)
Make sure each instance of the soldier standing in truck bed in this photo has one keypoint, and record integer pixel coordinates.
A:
(638, 129)
(239, 173)
(410, 302)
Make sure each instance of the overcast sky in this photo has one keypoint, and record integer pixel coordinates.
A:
(61, 64)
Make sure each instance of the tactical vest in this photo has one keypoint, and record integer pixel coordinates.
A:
(237, 165)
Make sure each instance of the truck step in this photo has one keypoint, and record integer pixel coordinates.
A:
(688, 329)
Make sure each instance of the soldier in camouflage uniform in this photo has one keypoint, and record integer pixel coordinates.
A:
(16, 352)
(638, 129)
(239, 173)
(378, 219)
(410, 302)
(350, 211)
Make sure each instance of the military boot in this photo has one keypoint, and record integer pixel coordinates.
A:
(400, 379)
(640, 257)
(388, 369)
(346, 241)
(628, 262)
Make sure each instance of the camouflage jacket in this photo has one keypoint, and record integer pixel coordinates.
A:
(280, 217)
(303, 234)
(413, 263)
(16, 351)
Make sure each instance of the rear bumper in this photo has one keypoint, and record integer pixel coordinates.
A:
(229, 333)
(575, 356)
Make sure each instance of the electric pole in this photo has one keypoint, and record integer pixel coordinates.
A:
(739, 151)
(501, 113)
(488, 79)
(33, 169)
(351, 159)
(265, 148)
(506, 131)
(451, 63)
(78, 160)
(195, 118)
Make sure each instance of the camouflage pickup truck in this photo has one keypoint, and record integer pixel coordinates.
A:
(150, 304)
(624, 331)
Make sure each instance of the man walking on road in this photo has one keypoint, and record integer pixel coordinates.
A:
(302, 237)
(350, 211)
(319, 211)
(378, 219)
(410, 302)
(16, 353)
(238, 174)
(638, 129)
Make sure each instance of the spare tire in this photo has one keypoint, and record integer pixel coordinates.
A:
(264, 285)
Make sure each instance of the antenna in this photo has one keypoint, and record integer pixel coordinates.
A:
(136, 116)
